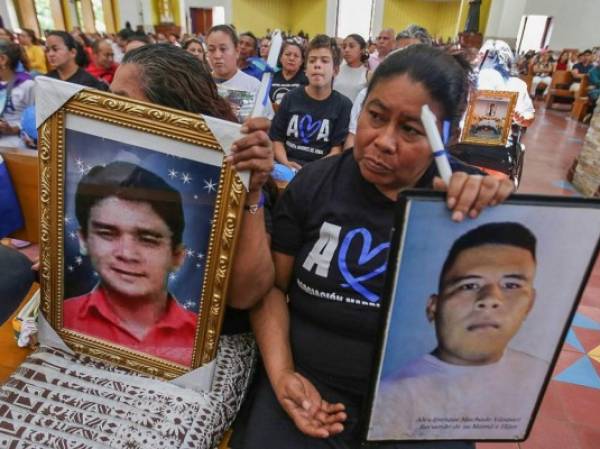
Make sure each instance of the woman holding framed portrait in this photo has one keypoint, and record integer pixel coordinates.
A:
(330, 243)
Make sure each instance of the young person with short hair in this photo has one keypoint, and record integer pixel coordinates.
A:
(312, 121)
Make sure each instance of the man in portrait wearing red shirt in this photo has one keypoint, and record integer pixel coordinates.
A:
(131, 226)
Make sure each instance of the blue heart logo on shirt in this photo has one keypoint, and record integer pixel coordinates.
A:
(366, 255)
(308, 128)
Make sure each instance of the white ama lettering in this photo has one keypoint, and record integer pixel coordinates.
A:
(322, 252)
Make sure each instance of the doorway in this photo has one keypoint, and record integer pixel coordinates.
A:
(202, 19)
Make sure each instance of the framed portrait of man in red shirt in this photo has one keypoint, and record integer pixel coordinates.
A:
(133, 197)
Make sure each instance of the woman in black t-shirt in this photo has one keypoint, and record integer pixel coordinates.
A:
(291, 74)
(331, 232)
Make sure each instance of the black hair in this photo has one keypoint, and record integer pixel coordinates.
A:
(585, 52)
(68, 40)
(138, 37)
(29, 32)
(324, 41)
(14, 53)
(227, 29)
(446, 77)
(501, 233)
(125, 33)
(130, 182)
(173, 77)
(364, 54)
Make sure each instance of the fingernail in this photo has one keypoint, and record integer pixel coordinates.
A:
(473, 213)
(305, 405)
(451, 201)
(228, 158)
(244, 129)
(457, 216)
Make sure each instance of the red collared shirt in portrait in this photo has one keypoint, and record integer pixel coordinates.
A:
(171, 338)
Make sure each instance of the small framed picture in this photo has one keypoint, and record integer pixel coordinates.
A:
(475, 314)
(489, 117)
(139, 218)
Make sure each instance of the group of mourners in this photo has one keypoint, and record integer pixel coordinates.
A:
(316, 353)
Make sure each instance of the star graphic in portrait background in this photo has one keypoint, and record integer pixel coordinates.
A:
(73, 235)
(172, 276)
(189, 252)
(186, 178)
(209, 186)
(200, 256)
(189, 304)
(67, 220)
(79, 260)
(173, 173)
(70, 268)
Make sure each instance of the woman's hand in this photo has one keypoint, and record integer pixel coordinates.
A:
(293, 165)
(311, 414)
(468, 195)
(254, 152)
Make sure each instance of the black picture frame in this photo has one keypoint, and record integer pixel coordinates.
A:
(532, 211)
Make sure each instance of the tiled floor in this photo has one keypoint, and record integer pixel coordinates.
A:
(569, 417)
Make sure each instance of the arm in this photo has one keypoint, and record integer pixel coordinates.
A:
(252, 273)
(296, 394)
(349, 143)
(281, 156)
(336, 149)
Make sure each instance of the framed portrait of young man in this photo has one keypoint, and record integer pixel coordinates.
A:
(475, 314)
(489, 117)
(139, 218)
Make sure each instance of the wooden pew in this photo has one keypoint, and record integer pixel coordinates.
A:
(22, 166)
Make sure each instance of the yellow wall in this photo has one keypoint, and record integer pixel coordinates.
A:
(439, 18)
(447, 19)
(292, 15)
(258, 15)
(308, 16)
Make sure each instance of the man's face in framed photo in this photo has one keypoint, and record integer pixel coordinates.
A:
(130, 247)
(485, 295)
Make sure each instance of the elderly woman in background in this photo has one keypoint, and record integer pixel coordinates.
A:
(496, 74)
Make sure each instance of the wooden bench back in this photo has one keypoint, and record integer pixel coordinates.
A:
(22, 166)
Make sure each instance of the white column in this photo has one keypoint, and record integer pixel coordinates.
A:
(331, 17)
(378, 9)
(9, 14)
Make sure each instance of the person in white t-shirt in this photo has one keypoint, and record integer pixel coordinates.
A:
(237, 87)
(485, 294)
(353, 74)
(495, 74)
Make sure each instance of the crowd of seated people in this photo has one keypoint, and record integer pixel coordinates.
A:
(345, 130)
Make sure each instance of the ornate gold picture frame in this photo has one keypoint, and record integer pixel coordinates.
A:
(139, 220)
(489, 117)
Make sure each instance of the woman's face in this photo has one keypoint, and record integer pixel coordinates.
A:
(58, 53)
(391, 147)
(291, 59)
(222, 55)
(128, 82)
(351, 51)
(195, 48)
(24, 38)
(265, 45)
